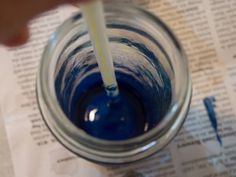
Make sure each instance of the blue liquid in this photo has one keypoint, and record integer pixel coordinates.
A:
(118, 118)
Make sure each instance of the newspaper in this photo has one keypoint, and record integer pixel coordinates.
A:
(206, 144)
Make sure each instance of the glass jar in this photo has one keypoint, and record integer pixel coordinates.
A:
(139, 41)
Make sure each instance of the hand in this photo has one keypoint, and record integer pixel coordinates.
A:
(15, 14)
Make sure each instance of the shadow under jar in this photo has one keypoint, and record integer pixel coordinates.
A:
(153, 78)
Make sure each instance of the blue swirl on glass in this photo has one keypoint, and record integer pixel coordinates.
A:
(145, 92)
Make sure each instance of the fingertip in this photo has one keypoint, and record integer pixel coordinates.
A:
(19, 38)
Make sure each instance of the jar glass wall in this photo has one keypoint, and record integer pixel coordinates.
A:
(147, 57)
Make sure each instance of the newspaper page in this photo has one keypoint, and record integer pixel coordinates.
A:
(205, 146)
(6, 166)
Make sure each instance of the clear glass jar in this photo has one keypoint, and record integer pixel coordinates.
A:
(126, 23)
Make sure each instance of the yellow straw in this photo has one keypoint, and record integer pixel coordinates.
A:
(94, 16)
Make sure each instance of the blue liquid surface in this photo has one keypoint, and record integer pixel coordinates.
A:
(112, 119)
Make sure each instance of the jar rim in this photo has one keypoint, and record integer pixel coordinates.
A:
(92, 148)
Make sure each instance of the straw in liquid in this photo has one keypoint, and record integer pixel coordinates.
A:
(94, 16)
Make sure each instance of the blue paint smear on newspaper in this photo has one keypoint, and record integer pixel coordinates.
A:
(210, 106)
